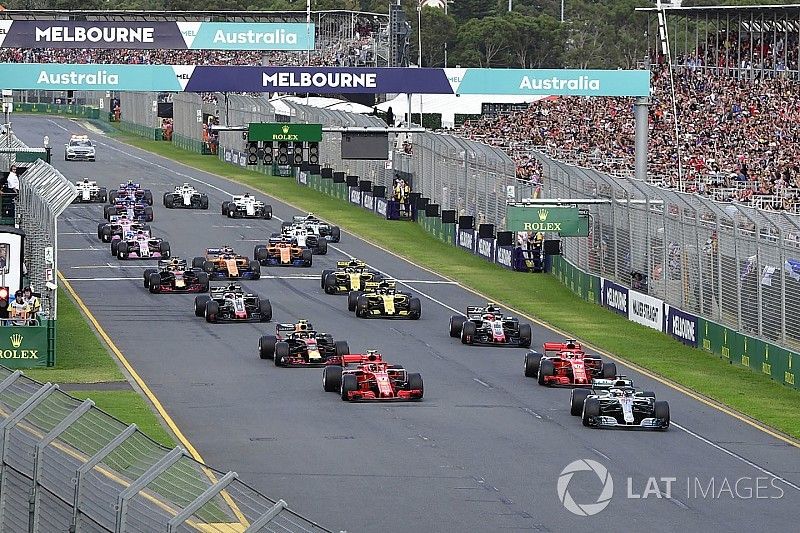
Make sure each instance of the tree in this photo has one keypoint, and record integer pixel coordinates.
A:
(466, 10)
(438, 29)
(489, 37)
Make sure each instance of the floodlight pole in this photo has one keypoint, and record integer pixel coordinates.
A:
(308, 32)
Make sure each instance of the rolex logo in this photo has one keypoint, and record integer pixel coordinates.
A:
(543, 215)
(16, 340)
(285, 129)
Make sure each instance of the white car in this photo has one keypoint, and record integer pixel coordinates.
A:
(79, 148)
(306, 238)
(246, 206)
(316, 226)
(90, 192)
(187, 197)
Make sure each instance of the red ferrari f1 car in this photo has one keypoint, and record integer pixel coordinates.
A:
(565, 364)
(370, 378)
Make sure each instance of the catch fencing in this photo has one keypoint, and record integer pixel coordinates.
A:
(67, 466)
(736, 265)
(139, 111)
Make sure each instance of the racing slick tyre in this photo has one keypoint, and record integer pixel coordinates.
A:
(306, 256)
(122, 250)
(525, 335)
(105, 234)
(468, 331)
(163, 249)
(112, 194)
(169, 201)
(155, 283)
(114, 247)
(200, 304)
(109, 210)
(100, 226)
(661, 410)
(267, 212)
(532, 360)
(362, 306)
(329, 282)
(336, 234)
(146, 227)
(281, 351)
(198, 262)
(649, 394)
(146, 276)
(352, 299)
(102, 195)
(322, 277)
(332, 378)
(255, 268)
(591, 408)
(225, 207)
(456, 323)
(415, 308)
(341, 348)
(260, 253)
(546, 368)
(202, 280)
(265, 308)
(414, 383)
(148, 213)
(148, 197)
(349, 384)
(203, 201)
(322, 247)
(208, 266)
(266, 346)
(609, 370)
(576, 399)
(211, 311)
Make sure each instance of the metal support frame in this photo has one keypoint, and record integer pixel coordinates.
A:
(10, 379)
(145, 479)
(641, 118)
(90, 464)
(62, 426)
(266, 518)
(201, 500)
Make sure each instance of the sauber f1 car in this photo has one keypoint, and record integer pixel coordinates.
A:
(304, 237)
(225, 263)
(131, 190)
(565, 364)
(367, 377)
(619, 406)
(486, 326)
(90, 192)
(187, 197)
(230, 303)
(296, 345)
(246, 206)
(173, 275)
(348, 276)
(316, 226)
(133, 209)
(141, 245)
(381, 300)
(281, 251)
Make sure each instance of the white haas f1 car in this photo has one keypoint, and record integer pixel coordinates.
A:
(305, 238)
(141, 245)
(187, 197)
(229, 303)
(487, 326)
(90, 192)
(246, 206)
(616, 403)
(316, 226)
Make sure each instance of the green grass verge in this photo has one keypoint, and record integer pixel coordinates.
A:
(544, 297)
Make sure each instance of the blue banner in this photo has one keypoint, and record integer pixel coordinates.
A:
(58, 77)
(550, 82)
(682, 326)
(505, 256)
(615, 297)
(465, 238)
(485, 248)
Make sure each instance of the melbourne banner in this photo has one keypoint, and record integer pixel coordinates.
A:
(615, 297)
(156, 35)
(231, 78)
(682, 325)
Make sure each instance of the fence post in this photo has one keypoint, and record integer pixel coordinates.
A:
(200, 501)
(266, 518)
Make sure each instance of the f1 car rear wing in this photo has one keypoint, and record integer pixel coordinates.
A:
(221, 289)
(350, 264)
(372, 286)
(219, 251)
(285, 328)
(358, 358)
(569, 346)
(173, 263)
(619, 381)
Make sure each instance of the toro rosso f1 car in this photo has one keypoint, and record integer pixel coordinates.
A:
(565, 364)
(90, 192)
(316, 226)
(246, 206)
(348, 276)
(486, 326)
(187, 197)
(367, 377)
(282, 252)
(225, 263)
(230, 303)
(619, 406)
(141, 245)
(132, 191)
(381, 300)
(173, 275)
(298, 345)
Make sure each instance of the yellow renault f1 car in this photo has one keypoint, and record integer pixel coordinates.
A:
(382, 300)
(349, 276)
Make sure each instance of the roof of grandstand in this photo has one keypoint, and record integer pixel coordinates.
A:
(245, 16)
(724, 9)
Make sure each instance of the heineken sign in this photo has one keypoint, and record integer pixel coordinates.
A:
(269, 131)
(566, 221)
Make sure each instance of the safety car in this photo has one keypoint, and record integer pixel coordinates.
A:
(79, 148)
(382, 300)
(489, 326)
(141, 245)
(349, 276)
(281, 251)
(89, 192)
(230, 303)
(246, 206)
(225, 263)
(187, 197)
(174, 275)
(299, 344)
(619, 406)
(565, 364)
(367, 377)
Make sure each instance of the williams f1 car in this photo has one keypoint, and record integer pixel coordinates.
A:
(316, 226)
(187, 197)
(89, 192)
(230, 303)
(281, 251)
(565, 364)
(297, 345)
(225, 263)
(348, 276)
(305, 238)
(246, 206)
(173, 275)
(141, 245)
(367, 377)
(619, 406)
(486, 326)
(382, 300)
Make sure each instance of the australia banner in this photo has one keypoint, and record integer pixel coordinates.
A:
(150, 35)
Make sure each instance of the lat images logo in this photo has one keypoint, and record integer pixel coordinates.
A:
(16, 340)
(585, 509)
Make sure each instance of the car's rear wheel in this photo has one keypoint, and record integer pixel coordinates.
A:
(322, 246)
(198, 262)
(200, 304)
(576, 399)
(265, 307)
(329, 283)
(148, 213)
(332, 378)
(525, 335)
(155, 283)
(255, 268)
(266, 346)
(281, 351)
(268, 212)
(591, 409)
(102, 195)
(415, 308)
(352, 299)
(609, 370)
(468, 331)
(208, 266)
(362, 306)
(456, 323)
(336, 234)
(307, 258)
(112, 194)
(203, 201)
(341, 348)
(260, 252)
(146, 276)
(661, 411)
(163, 249)
(211, 311)
(415, 383)
(169, 200)
(532, 360)
(225, 207)
(122, 250)
(148, 197)
(349, 384)
(324, 277)
(202, 280)
(546, 369)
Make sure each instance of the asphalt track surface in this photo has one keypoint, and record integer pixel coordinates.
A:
(482, 452)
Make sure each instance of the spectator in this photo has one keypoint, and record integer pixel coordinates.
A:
(12, 181)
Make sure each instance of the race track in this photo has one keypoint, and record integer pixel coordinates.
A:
(482, 452)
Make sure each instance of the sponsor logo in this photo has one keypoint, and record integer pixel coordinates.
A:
(644, 310)
(466, 239)
(101, 77)
(93, 34)
(485, 247)
(381, 207)
(582, 83)
(684, 329)
(320, 79)
(255, 37)
(368, 202)
(285, 136)
(355, 195)
(16, 341)
(617, 300)
(504, 257)
(585, 509)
